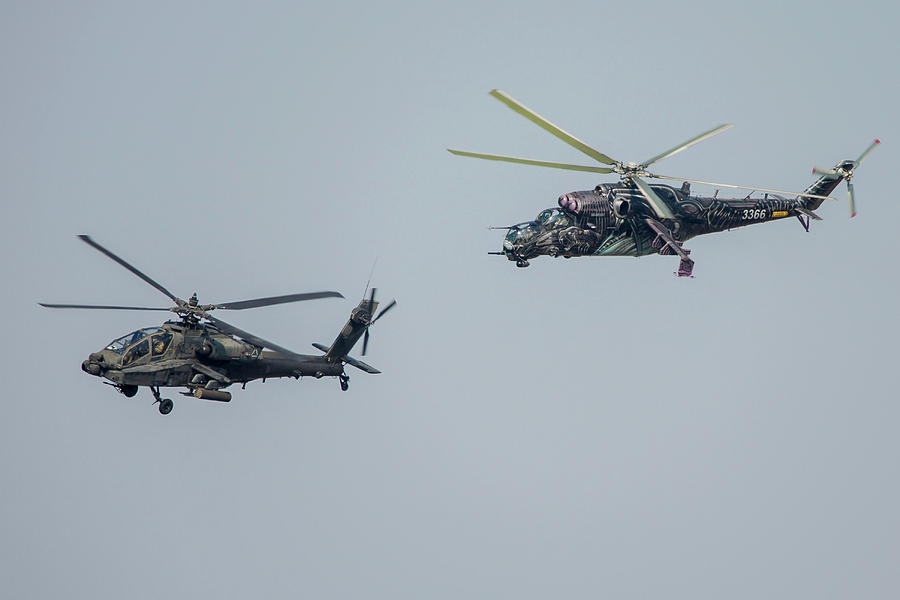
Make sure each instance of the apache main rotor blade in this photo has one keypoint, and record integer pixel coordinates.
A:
(528, 161)
(660, 207)
(87, 240)
(257, 302)
(98, 306)
(688, 144)
(255, 340)
(551, 128)
(743, 187)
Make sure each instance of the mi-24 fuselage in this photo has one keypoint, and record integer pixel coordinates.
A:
(634, 218)
(615, 219)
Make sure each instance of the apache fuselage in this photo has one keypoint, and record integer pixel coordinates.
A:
(173, 355)
(204, 359)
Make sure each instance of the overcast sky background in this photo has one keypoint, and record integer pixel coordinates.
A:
(581, 428)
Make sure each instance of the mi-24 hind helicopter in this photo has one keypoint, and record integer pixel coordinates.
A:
(205, 354)
(633, 218)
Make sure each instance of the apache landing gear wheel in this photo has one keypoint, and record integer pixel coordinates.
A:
(166, 406)
(345, 384)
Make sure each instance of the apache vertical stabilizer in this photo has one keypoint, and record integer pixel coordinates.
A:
(361, 318)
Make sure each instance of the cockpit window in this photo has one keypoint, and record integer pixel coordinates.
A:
(553, 218)
(527, 232)
(123, 342)
(159, 343)
(545, 215)
(136, 352)
(522, 232)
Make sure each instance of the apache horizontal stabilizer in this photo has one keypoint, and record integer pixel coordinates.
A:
(351, 361)
(361, 365)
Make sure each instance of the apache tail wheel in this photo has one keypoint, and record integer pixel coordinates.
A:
(166, 406)
(345, 384)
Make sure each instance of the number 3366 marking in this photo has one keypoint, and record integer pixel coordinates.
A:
(753, 214)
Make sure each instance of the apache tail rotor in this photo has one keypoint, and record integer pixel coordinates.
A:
(372, 320)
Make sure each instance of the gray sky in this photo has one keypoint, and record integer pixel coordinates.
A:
(581, 428)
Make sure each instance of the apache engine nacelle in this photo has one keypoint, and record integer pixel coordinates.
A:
(221, 349)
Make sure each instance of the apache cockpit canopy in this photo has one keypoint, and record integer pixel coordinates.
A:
(119, 345)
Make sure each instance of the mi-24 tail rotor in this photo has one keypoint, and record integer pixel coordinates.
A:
(845, 171)
(190, 310)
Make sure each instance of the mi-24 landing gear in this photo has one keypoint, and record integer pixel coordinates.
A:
(345, 382)
(165, 405)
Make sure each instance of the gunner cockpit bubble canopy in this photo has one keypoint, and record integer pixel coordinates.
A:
(521, 233)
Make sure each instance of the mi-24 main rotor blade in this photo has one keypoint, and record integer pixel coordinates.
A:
(551, 128)
(87, 240)
(742, 187)
(99, 307)
(249, 337)
(258, 302)
(694, 140)
(529, 161)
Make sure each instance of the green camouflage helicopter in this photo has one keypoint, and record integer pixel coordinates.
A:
(634, 218)
(205, 354)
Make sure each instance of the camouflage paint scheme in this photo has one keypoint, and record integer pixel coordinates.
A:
(202, 358)
(205, 354)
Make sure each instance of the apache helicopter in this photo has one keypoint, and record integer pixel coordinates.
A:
(205, 354)
(633, 218)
